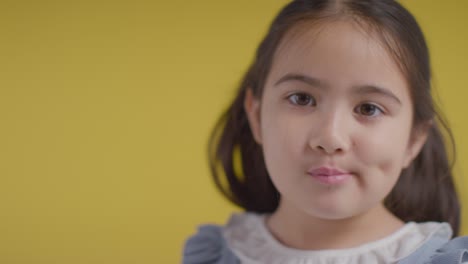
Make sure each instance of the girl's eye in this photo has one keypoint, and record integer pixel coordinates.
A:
(369, 110)
(302, 99)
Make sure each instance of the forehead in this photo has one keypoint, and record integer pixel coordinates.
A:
(341, 53)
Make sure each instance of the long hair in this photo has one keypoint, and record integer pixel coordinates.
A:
(425, 190)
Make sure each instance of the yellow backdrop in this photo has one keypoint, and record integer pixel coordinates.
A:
(106, 106)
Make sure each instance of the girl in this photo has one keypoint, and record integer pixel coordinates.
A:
(342, 158)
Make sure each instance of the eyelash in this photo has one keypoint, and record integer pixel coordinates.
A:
(292, 98)
(295, 95)
(374, 106)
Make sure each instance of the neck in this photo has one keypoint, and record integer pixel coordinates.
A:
(297, 229)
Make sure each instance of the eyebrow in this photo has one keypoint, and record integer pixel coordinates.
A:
(302, 78)
(371, 89)
(360, 89)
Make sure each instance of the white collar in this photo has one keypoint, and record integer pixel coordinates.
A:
(248, 237)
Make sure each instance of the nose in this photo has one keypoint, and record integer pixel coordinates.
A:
(332, 135)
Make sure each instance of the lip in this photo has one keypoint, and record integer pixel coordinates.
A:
(329, 175)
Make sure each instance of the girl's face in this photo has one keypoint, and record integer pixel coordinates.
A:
(334, 121)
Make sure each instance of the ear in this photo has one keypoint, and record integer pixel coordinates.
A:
(416, 142)
(252, 108)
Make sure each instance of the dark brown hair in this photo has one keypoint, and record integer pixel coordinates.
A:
(425, 190)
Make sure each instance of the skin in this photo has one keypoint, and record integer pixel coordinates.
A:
(336, 98)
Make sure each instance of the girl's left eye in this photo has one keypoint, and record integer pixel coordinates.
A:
(368, 109)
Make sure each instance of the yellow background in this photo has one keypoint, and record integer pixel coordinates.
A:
(106, 107)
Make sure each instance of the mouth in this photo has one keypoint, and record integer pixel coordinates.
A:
(329, 175)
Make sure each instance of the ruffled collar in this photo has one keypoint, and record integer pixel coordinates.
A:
(248, 237)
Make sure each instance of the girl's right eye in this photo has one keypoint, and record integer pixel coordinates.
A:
(302, 99)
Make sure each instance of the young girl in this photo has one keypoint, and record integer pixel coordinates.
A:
(341, 155)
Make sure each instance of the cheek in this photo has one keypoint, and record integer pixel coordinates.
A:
(280, 138)
(283, 138)
(284, 127)
(383, 150)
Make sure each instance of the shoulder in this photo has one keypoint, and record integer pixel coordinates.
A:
(455, 251)
(440, 251)
(208, 245)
